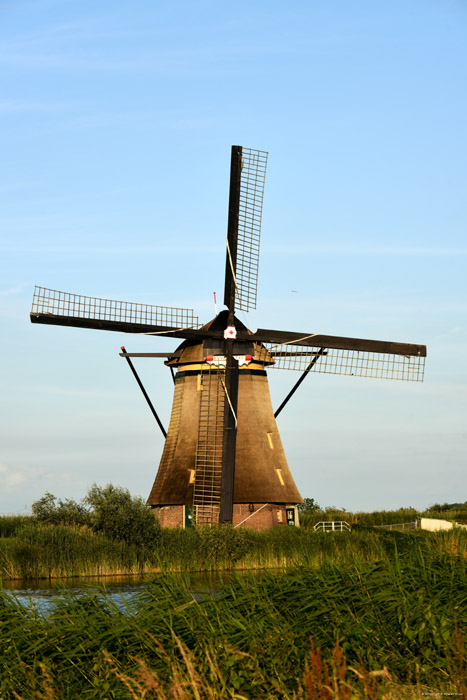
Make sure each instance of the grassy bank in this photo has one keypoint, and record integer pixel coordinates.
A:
(383, 517)
(34, 550)
(373, 630)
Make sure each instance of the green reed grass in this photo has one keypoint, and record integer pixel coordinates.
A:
(383, 517)
(398, 623)
(11, 524)
(54, 551)
(40, 551)
(457, 514)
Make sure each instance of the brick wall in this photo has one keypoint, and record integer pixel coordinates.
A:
(170, 516)
(261, 518)
(256, 516)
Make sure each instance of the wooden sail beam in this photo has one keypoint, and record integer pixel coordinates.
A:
(120, 326)
(232, 231)
(260, 336)
(230, 436)
(334, 341)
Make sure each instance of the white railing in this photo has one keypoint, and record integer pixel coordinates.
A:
(400, 526)
(332, 526)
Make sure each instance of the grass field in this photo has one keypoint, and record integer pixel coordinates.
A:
(371, 613)
(387, 629)
(53, 551)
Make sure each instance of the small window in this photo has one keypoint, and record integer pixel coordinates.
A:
(270, 440)
(192, 476)
(279, 516)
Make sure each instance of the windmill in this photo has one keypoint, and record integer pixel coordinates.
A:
(223, 459)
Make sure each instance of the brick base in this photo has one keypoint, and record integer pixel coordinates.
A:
(257, 516)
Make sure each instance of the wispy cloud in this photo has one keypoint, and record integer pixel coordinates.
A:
(378, 307)
(94, 394)
(20, 106)
(95, 45)
(9, 478)
(13, 478)
(402, 251)
(24, 481)
(271, 250)
(111, 250)
(12, 291)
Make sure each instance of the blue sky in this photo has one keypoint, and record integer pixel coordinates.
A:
(116, 126)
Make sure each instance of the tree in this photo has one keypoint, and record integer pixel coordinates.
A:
(121, 516)
(109, 509)
(53, 511)
(309, 505)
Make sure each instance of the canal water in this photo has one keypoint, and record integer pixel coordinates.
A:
(41, 594)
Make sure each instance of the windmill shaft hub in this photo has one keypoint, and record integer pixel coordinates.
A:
(230, 333)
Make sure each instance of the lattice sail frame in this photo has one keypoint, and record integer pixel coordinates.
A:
(55, 303)
(358, 363)
(252, 179)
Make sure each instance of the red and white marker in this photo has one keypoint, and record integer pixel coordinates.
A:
(221, 360)
(230, 333)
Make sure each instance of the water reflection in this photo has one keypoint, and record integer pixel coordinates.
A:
(41, 594)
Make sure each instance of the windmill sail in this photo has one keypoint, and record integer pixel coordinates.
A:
(338, 355)
(351, 362)
(249, 226)
(64, 309)
(247, 176)
(247, 173)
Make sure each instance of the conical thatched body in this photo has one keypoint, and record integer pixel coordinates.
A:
(190, 469)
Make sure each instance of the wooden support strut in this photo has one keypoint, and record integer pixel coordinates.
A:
(140, 384)
(297, 384)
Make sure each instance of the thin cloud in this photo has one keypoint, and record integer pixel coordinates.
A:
(110, 250)
(22, 106)
(267, 250)
(67, 47)
(11, 291)
(12, 479)
(363, 250)
(161, 62)
(75, 392)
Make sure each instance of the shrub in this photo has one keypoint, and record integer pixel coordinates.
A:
(309, 505)
(110, 509)
(52, 511)
(121, 516)
(11, 524)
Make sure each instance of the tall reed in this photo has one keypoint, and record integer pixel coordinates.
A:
(54, 551)
(397, 623)
(383, 517)
(11, 524)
